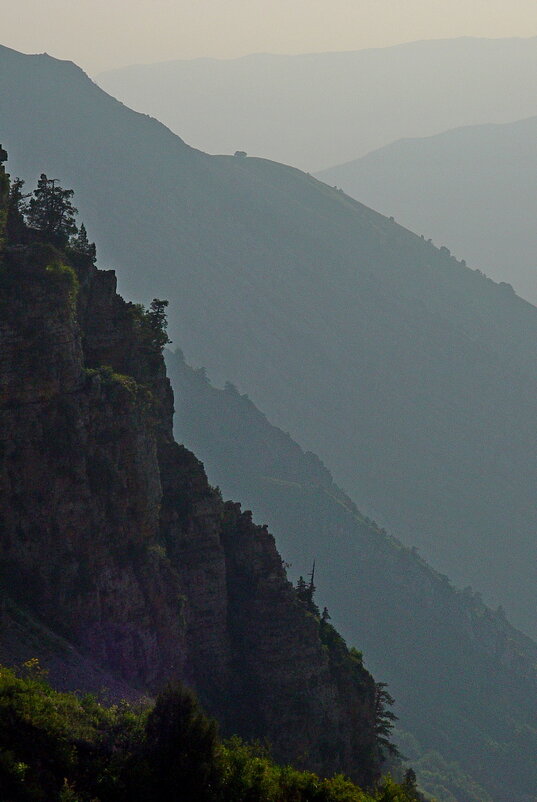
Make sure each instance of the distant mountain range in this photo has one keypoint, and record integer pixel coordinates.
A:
(470, 188)
(413, 377)
(321, 109)
(464, 680)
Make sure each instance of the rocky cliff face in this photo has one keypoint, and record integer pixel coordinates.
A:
(115, 549)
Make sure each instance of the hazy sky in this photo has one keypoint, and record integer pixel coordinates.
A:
(99, 34)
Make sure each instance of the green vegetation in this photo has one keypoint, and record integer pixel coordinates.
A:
(112, 380)
(65, 274)
(69, 748)
(43, 241)
(47, 217)
(446, 781)
(152, 323)
(39, 237)
(51, 211)
(80, 244)
(45, 226)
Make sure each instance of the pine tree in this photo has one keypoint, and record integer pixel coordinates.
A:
(82, 245)
(384, 718)
(51, 211)
(158, 322)
(409, 780)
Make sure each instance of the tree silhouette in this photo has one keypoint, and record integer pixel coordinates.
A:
(384, 718)
(306, 592)
(51, 211)
(158, 322)
(182, 745)
(82, 245)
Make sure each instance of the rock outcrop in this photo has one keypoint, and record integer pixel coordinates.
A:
(115, 550)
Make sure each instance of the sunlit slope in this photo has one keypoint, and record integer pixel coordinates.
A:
(414, 377)
(319, 109)
(471, 188)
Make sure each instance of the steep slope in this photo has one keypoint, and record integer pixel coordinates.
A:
(472, 188)
(465, 681)
(320, 109)
(116, 552)
(412, 376)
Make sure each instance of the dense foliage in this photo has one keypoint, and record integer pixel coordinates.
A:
(59, 746)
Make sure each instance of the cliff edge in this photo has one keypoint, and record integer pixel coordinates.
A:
(120, 565)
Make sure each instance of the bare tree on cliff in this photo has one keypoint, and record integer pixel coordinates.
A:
(306, 592)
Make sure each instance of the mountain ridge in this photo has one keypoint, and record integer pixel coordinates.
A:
(313, 53)
(276, 106)
(470, 186)
(411, 375)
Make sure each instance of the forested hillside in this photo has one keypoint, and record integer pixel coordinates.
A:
(411, 375)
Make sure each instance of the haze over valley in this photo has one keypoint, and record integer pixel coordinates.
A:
(317, 110)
